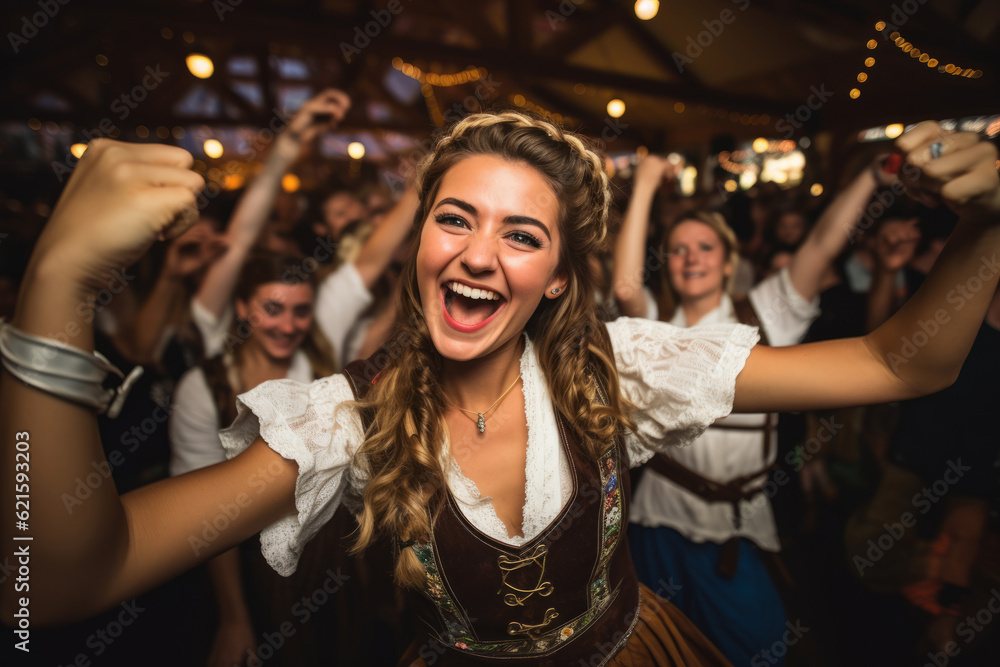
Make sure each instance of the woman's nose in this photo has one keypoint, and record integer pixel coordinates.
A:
(287, 324)
(480, 254)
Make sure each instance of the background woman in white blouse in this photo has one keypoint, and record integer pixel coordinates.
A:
(497, 226)
(685, 531)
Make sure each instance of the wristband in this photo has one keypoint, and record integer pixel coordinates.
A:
(64, 371)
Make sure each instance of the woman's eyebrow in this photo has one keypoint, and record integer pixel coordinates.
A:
(509, 220)
(464, 205)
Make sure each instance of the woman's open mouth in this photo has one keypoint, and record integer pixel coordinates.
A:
(468, 309)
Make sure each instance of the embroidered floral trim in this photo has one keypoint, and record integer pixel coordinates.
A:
(457, 631)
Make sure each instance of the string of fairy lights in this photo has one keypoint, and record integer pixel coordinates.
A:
(430, 80)
(918, 55)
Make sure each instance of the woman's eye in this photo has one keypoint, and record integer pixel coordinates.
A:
(525, 238)
(707, 248)
(450, 219)
(272, 308)
(678, 252)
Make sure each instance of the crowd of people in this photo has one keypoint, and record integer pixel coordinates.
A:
(864, 511)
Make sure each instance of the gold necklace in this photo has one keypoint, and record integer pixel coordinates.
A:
(481, 416)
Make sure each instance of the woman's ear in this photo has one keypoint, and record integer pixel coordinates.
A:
(557, 285)
(242, 310)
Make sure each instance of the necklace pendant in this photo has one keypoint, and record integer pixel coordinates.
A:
(481, 423)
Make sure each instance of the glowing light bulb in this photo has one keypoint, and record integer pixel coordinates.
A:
(616, 108)
(760, 144)
(77, 150)
(290, 183)
(646, 9)
(356, 150)
(816, 190)
(894, 130)
(200, 65)
(213, 148)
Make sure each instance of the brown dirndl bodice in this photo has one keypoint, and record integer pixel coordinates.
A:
(569, 596)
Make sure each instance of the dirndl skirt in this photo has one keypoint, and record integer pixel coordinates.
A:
(663, 636)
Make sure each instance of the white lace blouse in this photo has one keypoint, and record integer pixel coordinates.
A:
(680, 380)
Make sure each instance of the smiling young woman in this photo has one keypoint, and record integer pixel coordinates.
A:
(513, 535)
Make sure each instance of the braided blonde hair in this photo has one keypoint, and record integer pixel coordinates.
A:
(402, 451)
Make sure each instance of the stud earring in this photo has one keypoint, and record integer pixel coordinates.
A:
(556, 290)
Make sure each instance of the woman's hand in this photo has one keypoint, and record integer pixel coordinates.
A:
(192, 251)
(963, 177)
(121, 198)
(654, 170)
(320, 114)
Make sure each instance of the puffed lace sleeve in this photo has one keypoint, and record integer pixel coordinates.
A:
(680, 379)
(305, 423)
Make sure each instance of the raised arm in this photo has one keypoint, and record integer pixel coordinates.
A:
(89, 555)
(832, 232)
(187, 254)
(255, 205)
(378, 249)
(922, 347)
(630, 246)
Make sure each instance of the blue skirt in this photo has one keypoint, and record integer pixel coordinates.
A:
(742, 616)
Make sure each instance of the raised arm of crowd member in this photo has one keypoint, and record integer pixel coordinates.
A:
(940, 167)
(388, 235)
(186, 255)
(344, 295)
(630, 245)
(254, 207)
(120, 199)
(833, 230)
(895, 243)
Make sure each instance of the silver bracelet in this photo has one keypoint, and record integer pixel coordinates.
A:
(64, 371)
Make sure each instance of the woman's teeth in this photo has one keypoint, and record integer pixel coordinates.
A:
(473, 293)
